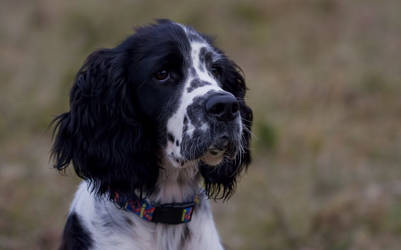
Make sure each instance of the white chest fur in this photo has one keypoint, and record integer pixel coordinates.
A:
(113, 228)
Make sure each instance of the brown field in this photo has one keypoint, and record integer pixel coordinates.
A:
(325, 84)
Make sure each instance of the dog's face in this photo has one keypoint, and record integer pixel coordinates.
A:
(165, 92)
(182, 89)
(206, 123)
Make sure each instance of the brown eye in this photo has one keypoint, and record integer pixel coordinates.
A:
(162, 75)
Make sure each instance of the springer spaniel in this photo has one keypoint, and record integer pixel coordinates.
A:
(156, 127)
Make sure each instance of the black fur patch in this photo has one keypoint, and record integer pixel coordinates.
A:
(192, 71)
(205, 58)
(196, 83)
(75, 236)
(202, 55)
(170, 137)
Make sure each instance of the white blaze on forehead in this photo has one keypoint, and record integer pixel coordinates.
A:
(200, 67)
(175, 124)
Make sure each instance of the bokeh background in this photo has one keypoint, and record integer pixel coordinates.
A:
(324, 80)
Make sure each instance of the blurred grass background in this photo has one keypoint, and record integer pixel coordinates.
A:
(324, 80)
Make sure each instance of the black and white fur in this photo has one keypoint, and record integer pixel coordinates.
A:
(158, 117)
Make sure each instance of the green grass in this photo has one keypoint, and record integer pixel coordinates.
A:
(324, 80)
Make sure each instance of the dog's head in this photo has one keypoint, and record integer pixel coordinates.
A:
(165, 94)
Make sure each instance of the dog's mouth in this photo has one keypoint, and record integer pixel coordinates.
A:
(211, 156)
(211, 147)
(221, 148)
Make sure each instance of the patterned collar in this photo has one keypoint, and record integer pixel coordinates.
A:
(167, 213)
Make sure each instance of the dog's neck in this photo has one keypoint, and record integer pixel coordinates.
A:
(176, 184)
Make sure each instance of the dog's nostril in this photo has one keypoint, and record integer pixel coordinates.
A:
(218, 108)
(224, 107)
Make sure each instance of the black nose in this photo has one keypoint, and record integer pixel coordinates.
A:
(223, 107)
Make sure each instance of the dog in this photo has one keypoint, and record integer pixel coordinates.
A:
(157, 126)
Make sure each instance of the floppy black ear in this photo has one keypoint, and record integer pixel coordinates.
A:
(220, 181)
(103, 135)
